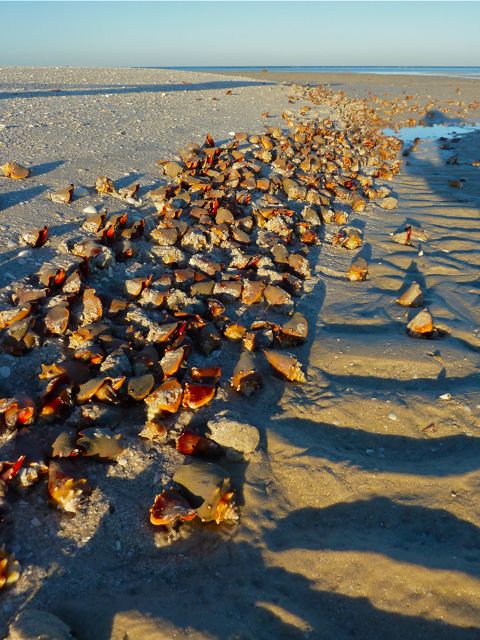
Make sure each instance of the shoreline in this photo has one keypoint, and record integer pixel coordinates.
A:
(359, 507)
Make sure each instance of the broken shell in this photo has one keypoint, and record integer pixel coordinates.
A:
(412, 297)
(56, 320)
(208, 490)
(102, 443)
(169, 508)
(104, 185)
(140, 387)
(197, 395)
(193, 444)
(64, 445)
(234, 331)
(10, 316)
(293, 332)
(285, 364)
(206, 373)
(246, 378)
(252, 291)
(165, 398)
(358, 270)
(421, 324)
(64, 196)
(14, 171)
(171, 361)
(9, 568)
(64, 490)
(36, 238)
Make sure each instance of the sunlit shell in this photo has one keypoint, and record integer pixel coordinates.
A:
(91, 307)
(36, 238)
(64, 196)
(190, 443)
(104, 185)
(197, 395)
(358, 270)
(9, 568)
(95, 222)
(101, 443)
(135, 286)
(104, 389)
(412, 297)
(165, 398)
(169, 508)
(246, 378)
(56, 319)
(285, 364)
(15, 314)
(14, 171)
(201, 374)
(252, 291)
(403, 237)
(422, 323)
(171, 361)
(276, 296)
(64, 490)
(140, 387)
(234, 331)
(209, 485)
(294, 331)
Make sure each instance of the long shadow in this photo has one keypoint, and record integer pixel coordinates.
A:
(95, 90)
(11, 198)
(432, 538)
(46, 167)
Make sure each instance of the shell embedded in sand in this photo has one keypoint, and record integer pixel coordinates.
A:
(358, 270)
(14, 171)
(412, 297)
(63, 196)
(421, 324)
(36, 238)
(285, 364)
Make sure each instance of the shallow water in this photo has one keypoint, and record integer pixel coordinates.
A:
(408, 134)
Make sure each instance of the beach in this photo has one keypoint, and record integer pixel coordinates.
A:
(358, 509)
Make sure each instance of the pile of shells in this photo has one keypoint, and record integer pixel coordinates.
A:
(224, 258)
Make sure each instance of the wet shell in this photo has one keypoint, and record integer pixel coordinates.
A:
(412, 297)
(246, 379)
(165, 398)
(14, 171)
(197, 395)
(285, 364)
(169, 508)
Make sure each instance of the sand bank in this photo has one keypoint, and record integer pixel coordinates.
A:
(359, 512)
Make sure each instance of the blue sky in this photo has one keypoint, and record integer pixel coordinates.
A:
(239, 33)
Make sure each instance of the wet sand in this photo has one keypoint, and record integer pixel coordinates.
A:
(359, 512)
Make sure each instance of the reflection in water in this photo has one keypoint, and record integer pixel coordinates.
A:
(408, 134)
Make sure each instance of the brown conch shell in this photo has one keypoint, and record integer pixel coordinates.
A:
(412, 297)
(169, 508)
(36, 238)
(246, 379)
(208, 485)
(9, 568)
(104, 185)
(165, 398)
(64, 490)
(64, 196)
(14, 171)
(358, 270)
(421, 324)
(140, 387)
(101, 443)
(285, 364)
(197, 395)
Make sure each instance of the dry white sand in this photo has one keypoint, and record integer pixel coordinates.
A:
(360, 512)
